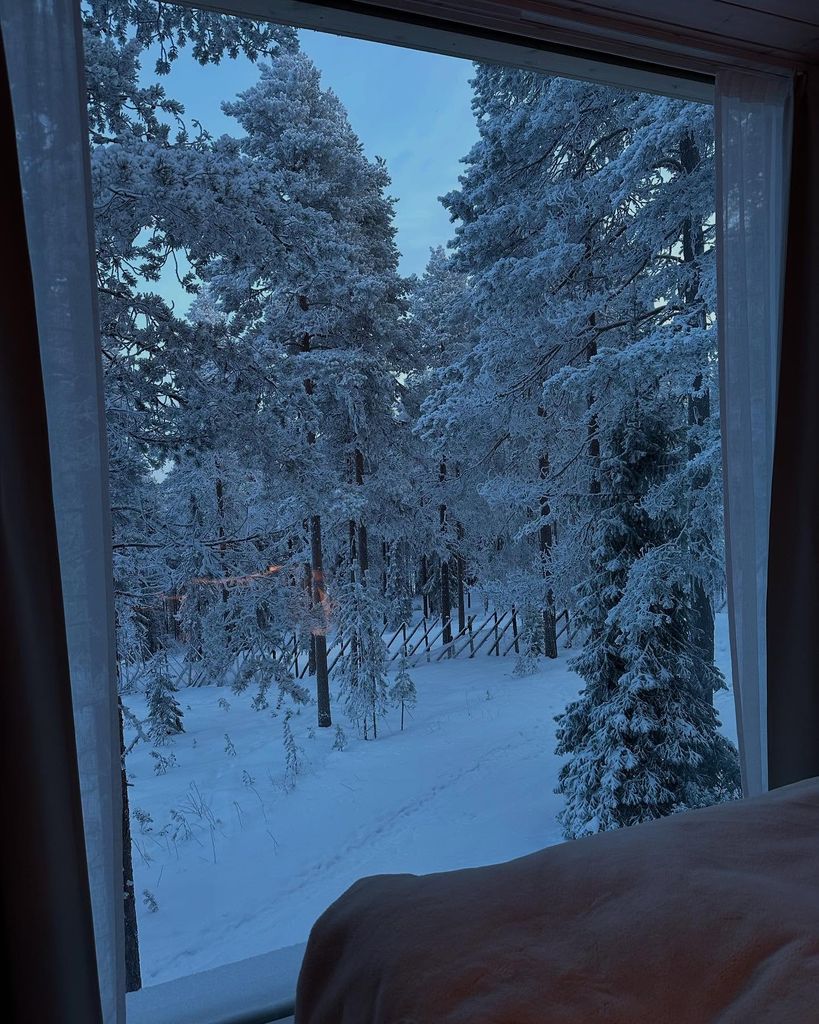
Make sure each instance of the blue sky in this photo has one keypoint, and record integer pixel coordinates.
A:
(411, 108)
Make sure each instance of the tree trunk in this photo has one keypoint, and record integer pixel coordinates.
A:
(446, 603)
(699, 403)
(461, 595)
(308, 590)
(592, 429)
(133, 974)
(319, 635)
(363, 554)
(424, 578)
(446, 600)
(220, 508)
(546, 540)
(318, 643)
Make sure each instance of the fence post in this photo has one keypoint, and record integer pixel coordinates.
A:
(497, 645)
(515, 629)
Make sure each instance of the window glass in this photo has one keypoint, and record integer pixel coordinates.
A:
(411, 381)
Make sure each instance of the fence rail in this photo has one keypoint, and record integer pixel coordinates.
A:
(423, 640)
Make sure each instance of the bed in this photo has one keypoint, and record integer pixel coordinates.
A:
(707, 916)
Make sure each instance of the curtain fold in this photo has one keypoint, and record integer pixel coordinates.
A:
(753, 128)
(49, 954)
(43, 44)
(793, 573)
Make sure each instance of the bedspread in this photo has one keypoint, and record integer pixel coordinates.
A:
(707, 916)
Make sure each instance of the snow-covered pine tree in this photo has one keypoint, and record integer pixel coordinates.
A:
(362, 667)
(402, 692)
(642, 739)
(535, 232)
(671, 168)
(320, 329)
(585, 233)
(530, 643)
(449, 526)
(164, 711)
(162, 196)
(224, 556)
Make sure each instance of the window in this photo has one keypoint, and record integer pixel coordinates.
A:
(397, 482)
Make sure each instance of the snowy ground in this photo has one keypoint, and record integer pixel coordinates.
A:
(239, 864)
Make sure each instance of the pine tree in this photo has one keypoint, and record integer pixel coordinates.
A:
(530, 643)
(321, 332)
(402, 692)
(163, 195)
(642, 739)
(535, 238)
(362, 668)
(164, 712)
(584, 226)
(292, 760)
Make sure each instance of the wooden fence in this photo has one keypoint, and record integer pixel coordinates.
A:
(423, 640)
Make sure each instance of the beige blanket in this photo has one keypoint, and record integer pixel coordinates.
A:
(709, 916)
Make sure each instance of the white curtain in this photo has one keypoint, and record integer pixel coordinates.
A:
(44, 51)
(753, 129)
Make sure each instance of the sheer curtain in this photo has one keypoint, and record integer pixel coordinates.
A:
(44, 52)
(753, 128)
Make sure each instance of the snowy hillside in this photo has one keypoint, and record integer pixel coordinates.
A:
(240, 859)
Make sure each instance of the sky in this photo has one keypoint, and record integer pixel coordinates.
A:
(409, 107)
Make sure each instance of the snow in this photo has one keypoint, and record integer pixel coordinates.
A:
(470, 781)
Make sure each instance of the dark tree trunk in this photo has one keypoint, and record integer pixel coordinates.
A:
(308, 589)
(699, 400)
(446, 600)
(319, 636)
(318, 642)
(133, 974)
(446, 603)
(461, 595)
(460, 566)
(220, 508)
(363, 554)
(546, 540)
(592, 429)
(424, 578)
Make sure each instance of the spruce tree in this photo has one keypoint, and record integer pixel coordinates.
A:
(642, 739)
(362, 668)
(402, 692)
(164, 712)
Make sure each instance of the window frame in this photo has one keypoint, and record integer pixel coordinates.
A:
(518, 41)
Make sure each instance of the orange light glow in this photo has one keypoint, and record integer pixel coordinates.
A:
(215, 581)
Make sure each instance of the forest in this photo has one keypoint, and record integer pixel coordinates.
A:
(321, 451)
